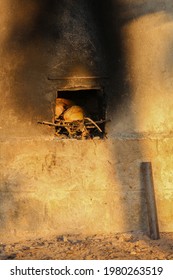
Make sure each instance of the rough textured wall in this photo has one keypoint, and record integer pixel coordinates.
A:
(78, 186)
(40, 39)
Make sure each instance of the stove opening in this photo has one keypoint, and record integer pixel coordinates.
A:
(80, 114)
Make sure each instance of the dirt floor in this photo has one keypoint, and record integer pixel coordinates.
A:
(128, 246)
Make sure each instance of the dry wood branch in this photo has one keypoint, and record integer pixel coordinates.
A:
(79, 129)
(90, 120)
(61, 123)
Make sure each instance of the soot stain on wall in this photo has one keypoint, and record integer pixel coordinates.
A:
(64, 38)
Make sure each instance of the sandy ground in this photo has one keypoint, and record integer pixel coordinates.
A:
(128, 246)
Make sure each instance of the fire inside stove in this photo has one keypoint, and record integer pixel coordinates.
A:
(80, 114)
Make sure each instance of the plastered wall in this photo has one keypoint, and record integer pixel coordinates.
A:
(69, 186)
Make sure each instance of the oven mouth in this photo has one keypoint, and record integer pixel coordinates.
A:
(80, 114)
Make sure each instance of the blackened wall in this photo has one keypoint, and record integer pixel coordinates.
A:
(128, 44)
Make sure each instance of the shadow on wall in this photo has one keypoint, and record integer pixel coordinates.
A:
(44, 37)
(38, 37)
(67, 35)
(31, 32)
(112, 17)
(23, 211)
(110, 26)
(114, 42)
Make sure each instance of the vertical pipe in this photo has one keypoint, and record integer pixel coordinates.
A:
(146, 169)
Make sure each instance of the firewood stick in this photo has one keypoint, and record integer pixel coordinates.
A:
(53, 124)
(90, 120)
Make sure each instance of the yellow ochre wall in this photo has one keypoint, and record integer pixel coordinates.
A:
(78, 186)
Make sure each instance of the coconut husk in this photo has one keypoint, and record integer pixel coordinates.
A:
(74, 113)
(61, 105)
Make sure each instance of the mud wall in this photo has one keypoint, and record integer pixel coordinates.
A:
(50, 185)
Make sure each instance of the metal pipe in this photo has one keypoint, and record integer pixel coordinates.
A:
(146, 169)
